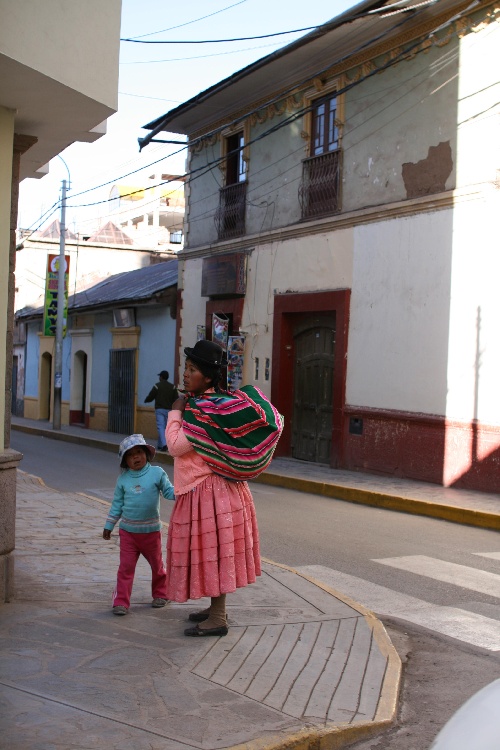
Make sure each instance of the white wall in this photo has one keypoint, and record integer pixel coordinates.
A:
(6, 143)
(85, 57)
(398, 333)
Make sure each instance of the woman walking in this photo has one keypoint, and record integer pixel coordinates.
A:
(213, 537)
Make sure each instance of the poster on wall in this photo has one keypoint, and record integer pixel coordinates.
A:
(220, 329)
(235, 360)
(51, 292)
(201, 333)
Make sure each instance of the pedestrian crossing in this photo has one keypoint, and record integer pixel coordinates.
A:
(455, 622)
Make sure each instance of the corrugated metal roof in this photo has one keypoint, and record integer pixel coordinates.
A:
(127, 288)
(130, 286)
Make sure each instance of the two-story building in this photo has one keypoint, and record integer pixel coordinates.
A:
(340, 213)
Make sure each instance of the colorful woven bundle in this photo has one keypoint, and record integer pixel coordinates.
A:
(235, 433)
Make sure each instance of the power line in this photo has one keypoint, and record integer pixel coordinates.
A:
(199, 57)
(149, 138)
(188, 23)
(293, 117)
(218, 41)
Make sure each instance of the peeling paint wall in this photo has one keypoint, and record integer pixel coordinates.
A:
(428, 175)
(400, 117)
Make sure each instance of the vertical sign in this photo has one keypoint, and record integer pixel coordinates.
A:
(50, 308)
(235, 357)
(220, 329)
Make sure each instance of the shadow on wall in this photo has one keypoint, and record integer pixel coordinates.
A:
(483, 472)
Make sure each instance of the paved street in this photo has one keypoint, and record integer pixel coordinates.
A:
(434, 584)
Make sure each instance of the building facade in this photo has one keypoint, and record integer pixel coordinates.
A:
(121, 334)
(348, 235)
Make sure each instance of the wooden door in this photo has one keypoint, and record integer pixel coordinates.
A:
(314, 350)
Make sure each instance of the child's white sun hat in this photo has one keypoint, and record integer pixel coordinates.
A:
(131, 442)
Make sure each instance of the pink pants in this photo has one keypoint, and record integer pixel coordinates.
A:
(131, 547)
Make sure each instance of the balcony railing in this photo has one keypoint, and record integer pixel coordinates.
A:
(319, 191)
(230, 216)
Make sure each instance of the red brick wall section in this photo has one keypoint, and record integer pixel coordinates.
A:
(424, 447)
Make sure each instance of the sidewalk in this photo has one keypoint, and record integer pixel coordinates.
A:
(421, 498)
(302, 666)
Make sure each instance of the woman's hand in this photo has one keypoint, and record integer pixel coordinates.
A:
(180, 403)
(106, 534)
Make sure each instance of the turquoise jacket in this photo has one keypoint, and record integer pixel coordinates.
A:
(136, 502)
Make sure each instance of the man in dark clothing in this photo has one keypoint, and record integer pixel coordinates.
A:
(163, 394)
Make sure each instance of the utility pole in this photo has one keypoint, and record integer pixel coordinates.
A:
(60, 315)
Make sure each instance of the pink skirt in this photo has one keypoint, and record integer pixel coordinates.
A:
(213, 541)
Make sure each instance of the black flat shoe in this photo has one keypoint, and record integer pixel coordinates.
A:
(197, 632)
(198, 616)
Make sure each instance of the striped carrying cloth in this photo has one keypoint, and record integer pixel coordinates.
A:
(235, 433)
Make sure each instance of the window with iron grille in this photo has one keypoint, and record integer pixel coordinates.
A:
(230, 215)
(319, 192)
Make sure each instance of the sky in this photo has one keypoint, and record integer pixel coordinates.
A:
(155, 78)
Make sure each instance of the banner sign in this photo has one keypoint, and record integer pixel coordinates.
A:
(51, 292)
(220, 329)
(235, 348)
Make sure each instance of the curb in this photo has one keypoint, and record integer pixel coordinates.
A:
(373, 498)
(336, 736)
(466, 516)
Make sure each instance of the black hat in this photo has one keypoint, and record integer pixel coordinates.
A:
(163, 374)
(207, 353)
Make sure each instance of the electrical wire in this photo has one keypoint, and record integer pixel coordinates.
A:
(200, 57)
(188, 23)
(203, 170)
(274, 100)
(217, 41)
(282, 95)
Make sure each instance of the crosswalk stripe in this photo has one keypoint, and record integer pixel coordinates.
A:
(447, 572)
(490, 555)
(461, 624)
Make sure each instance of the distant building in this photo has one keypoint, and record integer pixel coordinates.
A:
(152, 215)
(92, 258)
(121, 333)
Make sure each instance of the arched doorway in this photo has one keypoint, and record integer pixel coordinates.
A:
(78, 409)
(45, 391)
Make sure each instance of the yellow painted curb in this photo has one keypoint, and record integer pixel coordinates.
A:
(467, 516)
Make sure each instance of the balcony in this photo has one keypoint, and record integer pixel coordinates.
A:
(319, 191)
(230, 216)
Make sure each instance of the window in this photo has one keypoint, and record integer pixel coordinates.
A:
(319, 192)
(230, 216)
(124, 318)
(176, 237)
(235, 163)
(325, 129)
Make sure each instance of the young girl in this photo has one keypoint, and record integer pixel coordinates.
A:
(213, 539)
(136, 504)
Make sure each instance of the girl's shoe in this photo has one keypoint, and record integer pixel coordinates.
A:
(119, 610)
(157, 603)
